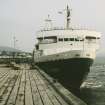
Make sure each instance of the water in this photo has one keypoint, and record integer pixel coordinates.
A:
(93, 89)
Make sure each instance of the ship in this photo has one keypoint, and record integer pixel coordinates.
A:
(66, 54)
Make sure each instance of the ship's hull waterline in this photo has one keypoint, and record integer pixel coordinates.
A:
(69, 72)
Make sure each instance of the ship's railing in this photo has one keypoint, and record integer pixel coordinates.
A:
(62, 28)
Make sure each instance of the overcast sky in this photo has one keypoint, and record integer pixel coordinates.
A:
(22, 18)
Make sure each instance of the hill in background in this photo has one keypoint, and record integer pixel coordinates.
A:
(8, 51)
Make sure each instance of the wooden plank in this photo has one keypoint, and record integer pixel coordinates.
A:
(20, 96)
(3, 76)
(4, 82)
(52, 90)
(13, 96)
(35, 92)
(42, 91)
(8, 88)
(50, 94)
(57, 96)
(28, 93)
(3, 72)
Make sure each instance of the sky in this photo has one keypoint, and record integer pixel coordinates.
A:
(23, 18)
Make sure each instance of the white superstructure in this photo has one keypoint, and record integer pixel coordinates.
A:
(79, 43)
(66, 43)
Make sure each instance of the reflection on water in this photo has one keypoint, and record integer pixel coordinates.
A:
(93, 89)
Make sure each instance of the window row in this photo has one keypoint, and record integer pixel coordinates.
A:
(70, 39)
(54, 39)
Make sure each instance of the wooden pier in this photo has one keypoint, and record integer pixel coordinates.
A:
(32, 87)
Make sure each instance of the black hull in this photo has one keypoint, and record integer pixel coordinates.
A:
(69, 72)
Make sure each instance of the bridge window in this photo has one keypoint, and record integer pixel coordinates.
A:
(76, 39)
(60, 39)
(98, 37)
(66, 39)
(71, 39)
(90, 37)
(47, 40)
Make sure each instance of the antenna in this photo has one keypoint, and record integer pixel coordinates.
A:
(48, 22)
(14, 38)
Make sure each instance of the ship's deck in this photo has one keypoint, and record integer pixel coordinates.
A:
(32, 87)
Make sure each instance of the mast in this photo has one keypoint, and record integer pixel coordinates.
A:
(68, 18)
